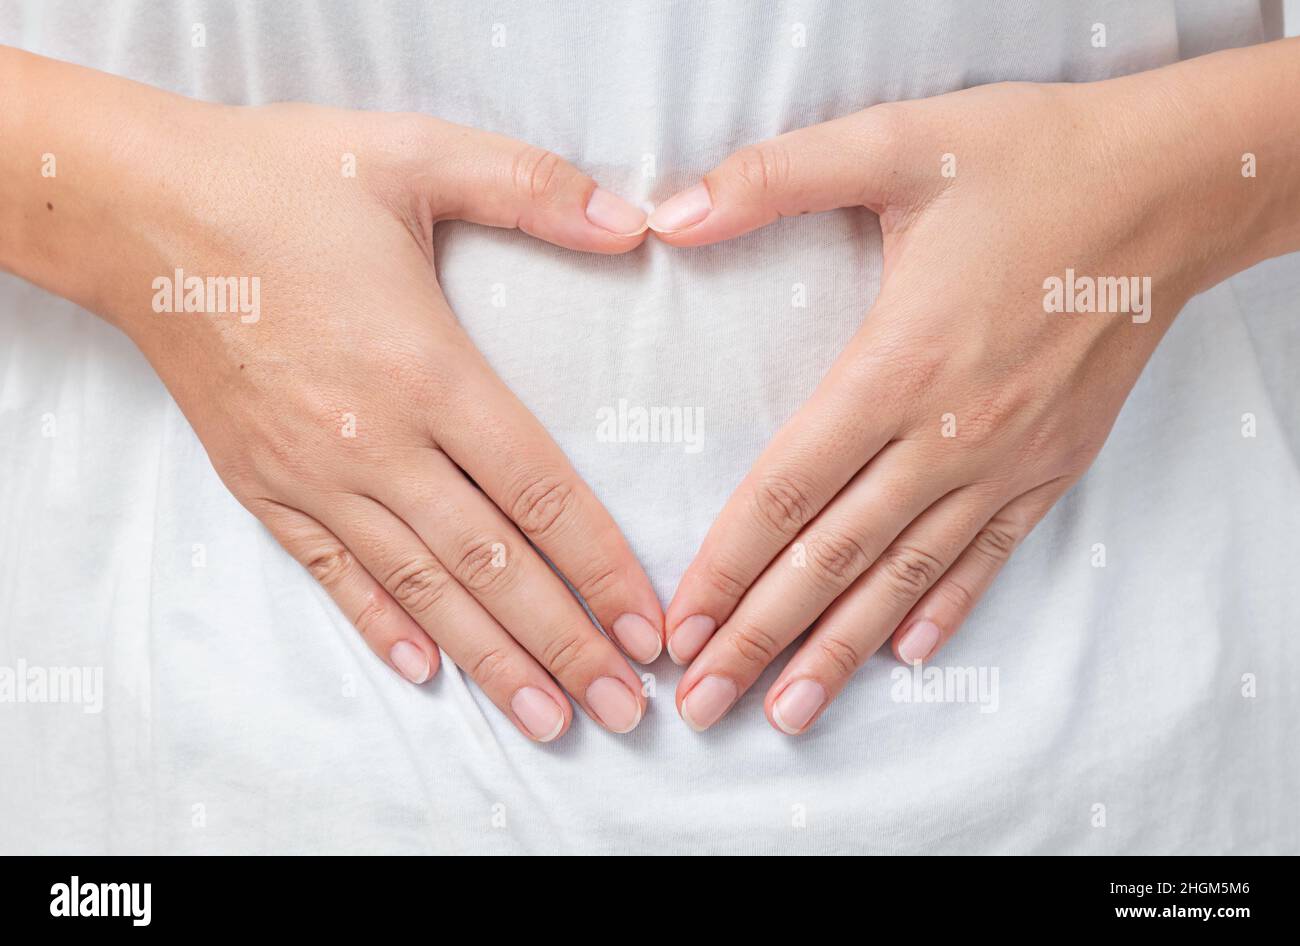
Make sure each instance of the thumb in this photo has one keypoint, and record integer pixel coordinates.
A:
(496, 181)
(848, 162)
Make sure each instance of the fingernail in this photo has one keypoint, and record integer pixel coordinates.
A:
(919, 641)
(690, 637)
(681, 210)
(614, 704)
(538, 712)
(707, 701)
(613, 213)
(638, 637)
(410, 661)
(797, 705)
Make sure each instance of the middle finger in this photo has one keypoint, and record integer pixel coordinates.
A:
(486, 553)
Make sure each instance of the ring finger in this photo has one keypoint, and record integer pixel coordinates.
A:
(425, 590)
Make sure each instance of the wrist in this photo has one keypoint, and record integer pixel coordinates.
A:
(1213, 146)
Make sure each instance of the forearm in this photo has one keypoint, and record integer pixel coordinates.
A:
(87, 177)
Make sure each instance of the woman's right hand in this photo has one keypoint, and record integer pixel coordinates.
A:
(348, 410)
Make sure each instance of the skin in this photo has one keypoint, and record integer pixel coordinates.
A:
(420, 525)
(962, 410)
(864, 518)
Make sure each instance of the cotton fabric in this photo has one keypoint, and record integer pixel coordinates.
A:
(243, 714)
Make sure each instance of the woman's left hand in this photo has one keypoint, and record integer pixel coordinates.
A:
(967, 403)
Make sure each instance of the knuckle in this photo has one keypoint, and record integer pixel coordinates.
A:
(563, 652)
(1074, 460)
(490, 668)
(272, 454)
(542, 504)
(763, 167)
(427, 384)
(909, 571)
(996, 541)
(479, 567)
(987, 419)
(957, 594)
(1039, 445)
(908, 352)
(419, 585)
(328, 564)
(597, 581)
(537, 174)
(242, 475)
(918, 374)
(754, 645)
(842, 655)
(725, 578)
(838, 556)
(783, 502)
(370, 616)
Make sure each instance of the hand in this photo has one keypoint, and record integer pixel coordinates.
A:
(964, 407)
(343, 405)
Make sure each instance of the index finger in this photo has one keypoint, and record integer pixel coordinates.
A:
(517, 464)
(807, 463)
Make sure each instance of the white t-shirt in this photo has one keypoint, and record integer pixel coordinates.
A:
(1149, 705)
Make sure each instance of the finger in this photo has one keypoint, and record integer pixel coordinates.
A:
(421, 584)
(852, 161)
(499, 182)
(388, 630)
(806, 464)
(824, 560)
(492, 561)
(499, 443)
(860, 620)
(938, 615)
